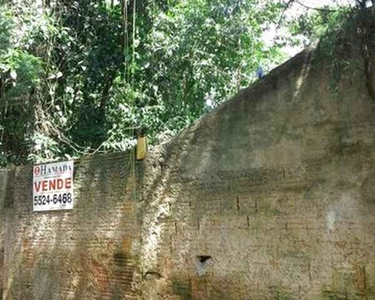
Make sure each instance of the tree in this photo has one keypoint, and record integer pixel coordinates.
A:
(78, 77)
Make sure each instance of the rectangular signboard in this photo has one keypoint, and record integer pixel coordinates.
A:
(53, 186)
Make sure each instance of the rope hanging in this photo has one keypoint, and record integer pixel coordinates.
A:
(128, 78)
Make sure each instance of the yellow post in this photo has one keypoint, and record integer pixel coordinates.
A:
(141, 147)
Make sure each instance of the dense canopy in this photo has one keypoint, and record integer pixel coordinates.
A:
(79, 77)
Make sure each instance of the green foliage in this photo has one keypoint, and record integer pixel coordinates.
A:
(319, 24)
(23, 70)
(79, 76)
(5, 28)
(193, 53)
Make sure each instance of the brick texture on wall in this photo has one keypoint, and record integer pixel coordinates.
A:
(85, 253)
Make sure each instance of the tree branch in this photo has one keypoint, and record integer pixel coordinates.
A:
(314, 8)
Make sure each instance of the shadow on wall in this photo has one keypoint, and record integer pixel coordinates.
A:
(159, 196)
(251, 186)
(202, 164)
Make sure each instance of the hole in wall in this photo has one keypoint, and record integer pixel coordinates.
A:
(149, 275)
(202, 263)
(203, 258)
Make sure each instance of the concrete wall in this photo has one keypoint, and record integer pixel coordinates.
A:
(270, 196)
(277, 186)
(85, 253)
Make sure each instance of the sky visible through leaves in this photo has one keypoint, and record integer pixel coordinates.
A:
(296, 9)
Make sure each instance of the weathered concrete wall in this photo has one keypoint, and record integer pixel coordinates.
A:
(85, 253)
(270, 196)
(275, 189)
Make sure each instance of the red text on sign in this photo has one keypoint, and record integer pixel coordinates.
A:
(53, 184)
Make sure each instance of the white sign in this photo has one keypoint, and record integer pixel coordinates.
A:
(53, 186)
